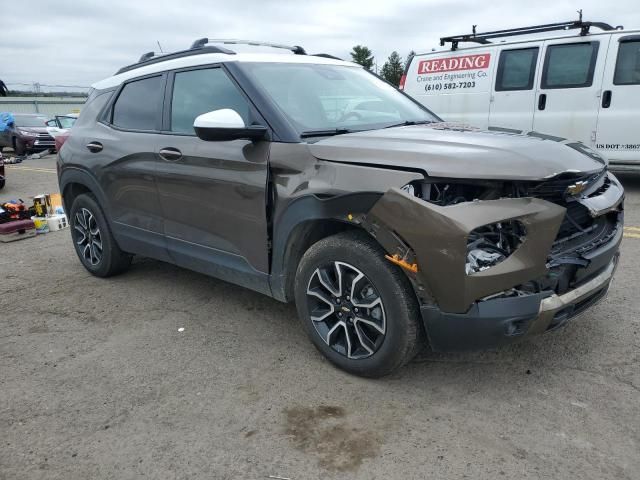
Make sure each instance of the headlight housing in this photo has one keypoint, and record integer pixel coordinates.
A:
(27, 133)
(491, 244)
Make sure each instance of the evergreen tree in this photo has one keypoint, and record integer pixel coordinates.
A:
(409, 57)
(363, 56)
(392, 69)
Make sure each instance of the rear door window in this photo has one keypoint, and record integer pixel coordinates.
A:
(200, 91)
(516, 69)
(628, 64)
(139, 104)
(570, 65)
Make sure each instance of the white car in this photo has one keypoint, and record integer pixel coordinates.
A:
(61, 124)
(581, 86)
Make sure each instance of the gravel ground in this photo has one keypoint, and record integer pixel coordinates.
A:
(97, 381)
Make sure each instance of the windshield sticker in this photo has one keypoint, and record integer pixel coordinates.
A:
(463, 73)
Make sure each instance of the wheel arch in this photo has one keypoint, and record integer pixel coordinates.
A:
(74, 182)
(305, 221)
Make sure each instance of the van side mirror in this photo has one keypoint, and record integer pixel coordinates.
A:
(226, 124)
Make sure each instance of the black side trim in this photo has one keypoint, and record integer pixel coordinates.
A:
(216, 263)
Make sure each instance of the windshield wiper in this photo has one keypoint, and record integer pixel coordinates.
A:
(324, 133)
(409, 122)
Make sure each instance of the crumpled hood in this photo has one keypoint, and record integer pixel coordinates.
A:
(456, 151)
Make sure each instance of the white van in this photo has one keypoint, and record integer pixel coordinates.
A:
(583, 86)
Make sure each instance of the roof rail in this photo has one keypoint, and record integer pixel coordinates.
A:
(483, 38)
(201, 42)
(201, 46)
(325, 55)
(146, 56)
(150, 58)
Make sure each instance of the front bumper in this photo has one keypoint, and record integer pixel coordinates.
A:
(501, 321)
(478, 311)
(37, 144)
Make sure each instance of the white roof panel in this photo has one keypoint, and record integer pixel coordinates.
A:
(208, 58)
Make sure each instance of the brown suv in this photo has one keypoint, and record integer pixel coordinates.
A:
(310, 179)
(28, 134)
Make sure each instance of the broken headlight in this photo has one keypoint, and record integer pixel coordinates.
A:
(491, 244)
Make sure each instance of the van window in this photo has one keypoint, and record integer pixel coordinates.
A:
(628, 64)
(200, 91)
(138, 105)
(570, 65)
(516, 69)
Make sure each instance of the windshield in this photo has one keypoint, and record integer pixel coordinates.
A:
(66, 122)
(29, 121)
(334, 98)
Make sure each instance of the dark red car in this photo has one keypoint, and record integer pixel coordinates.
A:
(2, 177)
(28, 134)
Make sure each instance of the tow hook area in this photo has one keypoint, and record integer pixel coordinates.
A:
(435, 239)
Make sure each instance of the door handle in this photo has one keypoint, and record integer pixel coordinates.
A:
(170, 154)
(606, 99)
(94, 147)
(542, 101)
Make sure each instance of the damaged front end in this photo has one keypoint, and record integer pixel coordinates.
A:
(497, 260)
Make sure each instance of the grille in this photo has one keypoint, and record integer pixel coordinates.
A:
(555, 189)
(577, 219)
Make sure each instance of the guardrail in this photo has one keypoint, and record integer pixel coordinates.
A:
(45, 105)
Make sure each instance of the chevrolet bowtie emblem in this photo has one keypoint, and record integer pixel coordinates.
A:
(577, 188)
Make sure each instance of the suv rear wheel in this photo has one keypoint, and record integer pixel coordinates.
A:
(92, 239)
(358, 309)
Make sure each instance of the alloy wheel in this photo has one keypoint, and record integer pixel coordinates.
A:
(346, 310)
(88, 236)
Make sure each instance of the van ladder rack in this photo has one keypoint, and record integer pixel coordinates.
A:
(483, 38)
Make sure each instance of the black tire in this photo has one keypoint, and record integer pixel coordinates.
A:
(2, 182)
(88, 223)
(18, 148)
(403, 333)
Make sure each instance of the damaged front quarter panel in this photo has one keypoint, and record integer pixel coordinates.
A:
(438, 235)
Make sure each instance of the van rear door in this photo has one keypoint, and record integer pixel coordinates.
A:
(618, 136)
(568, 96)
(514, 95)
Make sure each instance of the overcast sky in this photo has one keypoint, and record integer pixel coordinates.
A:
(78, 42)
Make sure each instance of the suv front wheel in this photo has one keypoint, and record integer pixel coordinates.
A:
(92, 239)
(358, 309)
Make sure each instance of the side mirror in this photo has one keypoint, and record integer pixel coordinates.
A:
(226, 124)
